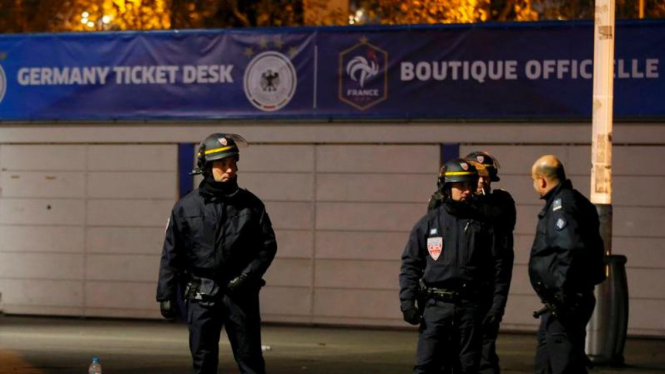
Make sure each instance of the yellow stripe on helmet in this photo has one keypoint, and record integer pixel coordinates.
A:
(217, 150)
(453, 173)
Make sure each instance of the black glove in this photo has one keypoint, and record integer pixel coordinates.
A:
(237, 283)
(168, 309)
(411, 316)
(492, 320)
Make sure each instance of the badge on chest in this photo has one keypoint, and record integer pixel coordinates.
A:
(435, 247)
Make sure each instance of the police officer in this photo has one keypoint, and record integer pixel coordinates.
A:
(449, 260)
(498, 205)
(566, 263)
(219, 243)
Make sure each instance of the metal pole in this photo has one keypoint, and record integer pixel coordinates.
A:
(606, 330)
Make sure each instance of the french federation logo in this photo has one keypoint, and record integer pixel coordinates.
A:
(363, 75)
(3, 83)
(270, 81)
(360, 70)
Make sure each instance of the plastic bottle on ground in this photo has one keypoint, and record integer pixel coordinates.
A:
(95, 366)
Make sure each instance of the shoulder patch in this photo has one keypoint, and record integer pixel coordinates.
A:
(433, 231)
(561, 223)
(556, 205)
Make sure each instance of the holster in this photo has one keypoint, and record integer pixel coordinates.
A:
(201, 290)
(421, 297)
(191, 288)
(548, 307)
(563, 307)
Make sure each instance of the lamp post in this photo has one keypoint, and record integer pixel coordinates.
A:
(606, 332)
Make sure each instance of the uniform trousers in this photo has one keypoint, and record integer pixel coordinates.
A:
(450, 338)
(241, 316)
(561, 340)
(489, 360)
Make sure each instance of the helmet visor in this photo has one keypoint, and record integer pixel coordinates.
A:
(239, 140)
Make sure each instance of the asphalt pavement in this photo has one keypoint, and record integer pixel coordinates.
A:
(41, 345)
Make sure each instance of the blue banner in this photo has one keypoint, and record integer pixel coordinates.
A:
(495, 71)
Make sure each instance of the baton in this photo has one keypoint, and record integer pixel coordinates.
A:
(540, 312)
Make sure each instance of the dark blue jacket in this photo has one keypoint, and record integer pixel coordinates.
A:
(567, 256)
(216, 237)
(468, 260)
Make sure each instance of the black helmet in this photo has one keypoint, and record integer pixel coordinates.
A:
(216, 147)
(490, 162)
(457, 170)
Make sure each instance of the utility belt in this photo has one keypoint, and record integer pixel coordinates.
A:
(201, 289)
(442, 294)
(450, 295)
(207, 289)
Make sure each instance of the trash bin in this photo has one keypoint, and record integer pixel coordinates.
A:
(606, 331)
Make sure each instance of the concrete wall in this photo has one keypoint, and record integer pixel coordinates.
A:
(80, 226)
(83, 209)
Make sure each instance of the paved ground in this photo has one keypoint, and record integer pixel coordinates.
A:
(31, 345)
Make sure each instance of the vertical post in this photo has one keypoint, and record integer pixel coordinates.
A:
(449, 151)
(641, 9)
(606, 331)
(185, 165)
(186, 152)
(603, 97)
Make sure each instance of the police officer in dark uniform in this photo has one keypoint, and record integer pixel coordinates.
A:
(497, 205)
(449, 260)
(566, 263)
(219, 243)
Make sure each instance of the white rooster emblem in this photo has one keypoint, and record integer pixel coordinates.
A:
(359, 69)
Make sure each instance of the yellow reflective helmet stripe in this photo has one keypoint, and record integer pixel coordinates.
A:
(217, 150)
(453, 173)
